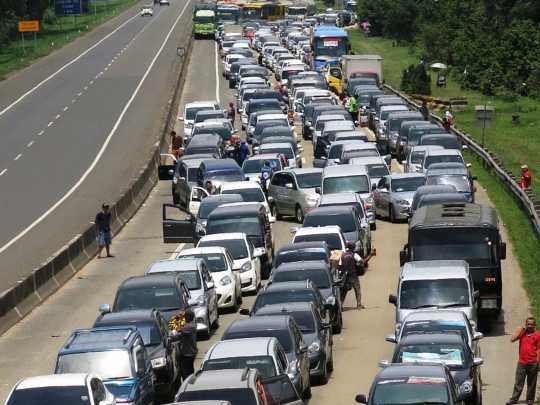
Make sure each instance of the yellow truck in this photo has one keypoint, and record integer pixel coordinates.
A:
(353, 70)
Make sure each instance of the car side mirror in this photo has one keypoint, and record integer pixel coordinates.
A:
(244, 311)
(171, 172)
(302, 349)
(392, 299)
(503, 250)
(272, 219)
(478, 336)
(289, 186)
(361, 399)
(270, 199)
(391, 338)
(210, 285)
(336, 161)
(383, 363)
(463, 396)
(104, 308)
(468, 165)
(464, 147)
(403, 253)
(476, 296)
(403, 162)
(193, 303)
(257, 252)
(294, 229)
(474, 178)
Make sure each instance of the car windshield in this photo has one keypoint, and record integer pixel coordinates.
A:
(461, 183)
(110, 364)
(191, 112)
(301, 255)
(204, 117)
(448, 142)
(206, 208)
(377, 170)
(287, 151)
(417, 157)
(236, 247)
(429, 160)
(450, 354)
(434, 326)
(162, 298)
(415, 134)
(309, 180)
(407, 184)
(248, 194)
(235, 396)
(395, 123)
(274, 106)
(322, 122)
(345, 221)
(407, 390)
(289, 72)
(72, 395)
(225, 175)
(346, 184)
(319, 276)
(437, 293)
(247, 225)
(216, 262)
(262, 125)
(282, 335)
(255, 165)
(264, 364)
(332, 239)
(224, 132)
(281, 297)
(192, 173)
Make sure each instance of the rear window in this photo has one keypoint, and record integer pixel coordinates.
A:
(346, 184)
(282, 335)
(344, 221)
(301, 255)
(236, 396)
(319, 276)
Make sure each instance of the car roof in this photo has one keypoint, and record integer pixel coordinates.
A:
(173, 265)
(260, 346)
(236, 210)
(403, 370)
(201, 104)
(218, 379)
(442, 152)
(156, 280)
(224, 236)
(291, 247)
(220, 163)
(419, 148)
(55, 380)
(340, 198)
(342, 171)
(304, 170)
(443, 198)
(303, 265)
(367, 160)
(285, 309)
(353, 146)
(276, 145)
(239, 185)
(432, 337)
(445, 269)
(328, 211)
(126, 317)
(434, 315)
(318, 230)
(462, 171)
(226, 198)
(209, 112)
(262, 322)
(202, 250)
(272, 116)
(395, 176)
(194, 162)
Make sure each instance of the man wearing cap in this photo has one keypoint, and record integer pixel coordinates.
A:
(526, 178)
(103, 221)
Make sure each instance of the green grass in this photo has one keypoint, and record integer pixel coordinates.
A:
(51, 37)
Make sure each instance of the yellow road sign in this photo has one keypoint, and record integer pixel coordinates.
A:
(28, 26)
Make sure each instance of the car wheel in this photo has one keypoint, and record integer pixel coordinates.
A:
(307, 392)
(215, 324)
(234, 308)
(299, 215)
(239, 298)
(330, 364)
(336, 329)
(391, 214)
(323, 378)
(168, 397)
(175, 199)
(275, 212)
(205, 335)
(373, 226)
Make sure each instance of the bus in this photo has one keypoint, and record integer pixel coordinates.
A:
(329, 41)
(264, 11)
(228, 14)
(204, 23)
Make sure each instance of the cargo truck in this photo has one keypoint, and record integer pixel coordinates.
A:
(354, 67)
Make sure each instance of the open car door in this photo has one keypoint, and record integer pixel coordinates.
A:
(178, 224)
(166, 171)
(197, 194)
(279, 390)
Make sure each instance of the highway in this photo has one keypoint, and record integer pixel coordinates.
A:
(78, 126)
(30, 347)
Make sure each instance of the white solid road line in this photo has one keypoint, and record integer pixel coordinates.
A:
(105, 144)
(177, 250)
(3, 171)
(63, 67)
(217, 73)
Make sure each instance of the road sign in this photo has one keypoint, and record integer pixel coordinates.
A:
(484, 116)
(28, 26)
(181, 51)
(67, 7)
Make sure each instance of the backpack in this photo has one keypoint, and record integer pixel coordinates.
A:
(350, 266)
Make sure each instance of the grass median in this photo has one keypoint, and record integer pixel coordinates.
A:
(513, 143)
(52, 37)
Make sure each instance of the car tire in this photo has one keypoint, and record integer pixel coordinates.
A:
(373, 226)
(205, 335)
(330, 363)
(215, 324)
(234, 308)
(299, 215)
(168, 396)
(391, 214)
(306, 394)
(275, 213)
(336, 330)
(323, 378)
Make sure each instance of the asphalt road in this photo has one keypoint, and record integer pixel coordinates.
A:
(30, 347)
(78, 126)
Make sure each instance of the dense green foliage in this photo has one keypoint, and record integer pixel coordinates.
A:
(494, 43)
(415, 80)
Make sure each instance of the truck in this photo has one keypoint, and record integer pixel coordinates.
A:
(204, 23)
(302, 8)
(232, 29)
(352, 67)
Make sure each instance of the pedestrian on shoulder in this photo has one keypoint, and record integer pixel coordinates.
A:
(177, 143)
(103, 221)
(189, 345)
(449, 117)
(348, 263)
(446, 125)
(526, 178)
(527, 367)
(425, 111)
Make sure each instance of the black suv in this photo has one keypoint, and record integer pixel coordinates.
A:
(164, 352)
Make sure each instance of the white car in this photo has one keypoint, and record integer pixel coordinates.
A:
(164, 3)
(147, 10)
(229, 60)
(332, 235)
(191, 110)
(250, 191)
(61, 389)
(227, 281)
(245, 256)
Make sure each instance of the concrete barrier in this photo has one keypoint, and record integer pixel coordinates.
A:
(22, 298)
(437, 104)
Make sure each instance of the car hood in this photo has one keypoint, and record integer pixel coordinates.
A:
(309, 338)
(155, 351)
(257, 240)
(123, 391)
(460, 376)
(352, 236)
(408, 195)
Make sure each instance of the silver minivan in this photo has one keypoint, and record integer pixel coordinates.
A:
(435, 284)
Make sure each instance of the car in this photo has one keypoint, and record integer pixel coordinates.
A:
(350, 222)
(394, 193)
(60, 389)
(228, 61)
(375, 166)
(316, 333)
(236, 387)
(218, 171)
(209, 204)
(210, 126)
(206, 144)
(441, 156)
(394, 121)
(333, 153)
(353, 199)
(360, 150)
(167, 293)
(185, 181)
(303, 251)
(447, 141)
(325, 278)
(265, 354)
(117, 354)
(459, 177)
(287, 332)
(284, 148)
(227, 282)
(415, 132)
(436, 199)
(250, 191)
(191, 110)
(280, 139)
(164, 2)
(415, 156)
(147, 10)
(331, 234)
(163, 350)
(420, 383)
(196, 275)
(439, 320)
(245, 256)
(292, 192)
(253, 165)
(449, 348)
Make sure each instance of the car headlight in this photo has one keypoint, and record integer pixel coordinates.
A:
(159, 362)
(402, 202)
(310, 198)
(314, 347)
(398, 328)
(246, 267)
(200, 300)
(293, 366)
(226, 280)
(199, 320)
(331, 300)
(466, 387)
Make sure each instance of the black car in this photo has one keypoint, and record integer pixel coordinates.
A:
(316, 333)
(418, 383)
(308, 119)
(164, 351)
(348, 219)
(167, 293)
(235, 67)
(209, 204)
(303, 251)
(449, 348)
(288, 334)
(324, 277)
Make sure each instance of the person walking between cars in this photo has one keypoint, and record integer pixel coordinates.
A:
(526, 178)
(188, 352)
(353, 109)
(103, 221)
(446, 125)
(527, 367)
(232, 113)
(348, 262)
(425, 111)
(177, 143)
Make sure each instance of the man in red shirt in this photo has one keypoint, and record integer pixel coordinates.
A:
(527, 367)
(526, 179)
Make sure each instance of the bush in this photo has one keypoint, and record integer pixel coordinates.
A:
(49, 17)
(415, 80)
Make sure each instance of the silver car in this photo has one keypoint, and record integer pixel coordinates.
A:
(415, 157)
(394, 194)
(292, 192)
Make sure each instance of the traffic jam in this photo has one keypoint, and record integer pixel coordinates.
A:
(238, 170)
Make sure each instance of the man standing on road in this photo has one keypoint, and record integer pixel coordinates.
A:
(527, 367)
(425, 111)
(189, 345)
(353, 109)
(348, 262)
(103, 221)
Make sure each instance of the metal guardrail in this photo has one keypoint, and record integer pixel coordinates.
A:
(525, 199)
